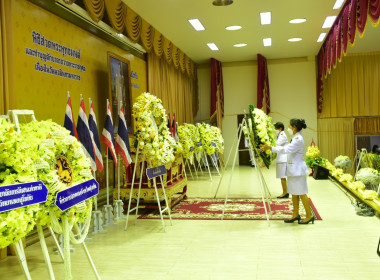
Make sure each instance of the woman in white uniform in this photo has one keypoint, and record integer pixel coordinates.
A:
(282, 140)
(296, 171)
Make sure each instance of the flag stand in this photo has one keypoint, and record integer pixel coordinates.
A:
(97, 217)
(107, 209)
(118, 204)
(265, 194)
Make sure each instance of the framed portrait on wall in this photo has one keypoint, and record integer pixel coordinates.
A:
(120, 89)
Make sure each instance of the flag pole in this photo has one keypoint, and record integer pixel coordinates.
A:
(97, 218)
(108, 208)
(118, 167)
(107, 183)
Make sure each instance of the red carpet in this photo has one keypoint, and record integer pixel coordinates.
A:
(236, 209)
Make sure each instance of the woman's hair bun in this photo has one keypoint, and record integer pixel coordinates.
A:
(303, 123)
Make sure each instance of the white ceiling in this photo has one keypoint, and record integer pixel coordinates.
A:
(170, 17)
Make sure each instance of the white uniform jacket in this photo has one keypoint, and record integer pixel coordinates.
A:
(296, 165)
(282, 140)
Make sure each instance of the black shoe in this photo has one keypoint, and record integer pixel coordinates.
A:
(305, 223)
(298, 218)
(284, 196)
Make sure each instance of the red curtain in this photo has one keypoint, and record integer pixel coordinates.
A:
(361, 15)
(217, 92)
(352, 17)
(263, 95)
(374, 10)
(352, 21)
(344, 18)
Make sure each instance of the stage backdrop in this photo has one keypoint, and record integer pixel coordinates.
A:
(42, 44)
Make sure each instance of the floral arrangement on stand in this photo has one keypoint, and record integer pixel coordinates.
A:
(15, 167)
(342, 162)
(207, 136)
(185, 138)
(261, 131)
(218, 139)
(32, 156)
(368, 176)
(313, 157)
(51, 145)
(152, 134)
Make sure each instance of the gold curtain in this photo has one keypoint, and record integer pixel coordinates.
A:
(133, 24)
(95, 8)
(157, 43)
(336, 137)
(175, 56)
(353, 88)
(167, 45)
(172, 87)
(116, 11)
(139, 31)
(367, 126)
(146, 35)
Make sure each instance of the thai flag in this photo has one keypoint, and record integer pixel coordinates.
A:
(69, 123)
(84, 134)
(174, 129)
(107, 135)
(122, 141)
(169, 124)
(95, 138)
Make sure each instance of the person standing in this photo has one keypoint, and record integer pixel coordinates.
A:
(296, 171)
(282, 140)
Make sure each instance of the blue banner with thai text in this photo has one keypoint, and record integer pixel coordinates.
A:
(76, 194)
(21, 195)
(155, 171)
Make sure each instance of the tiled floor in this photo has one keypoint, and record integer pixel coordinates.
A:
(342, 246)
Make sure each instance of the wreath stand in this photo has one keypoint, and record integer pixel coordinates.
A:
(361, 156)
(136, 208)
(189, 166)
(265, 194)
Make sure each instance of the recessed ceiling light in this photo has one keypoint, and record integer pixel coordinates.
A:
(329, 21)
(267, 42)
(266, 18)
(198, 26)
(222, 2)
(297, 20)
(321, 37)
(212, 46)
(338, 4)
(295, 39)
(240, 45)
(233, 27)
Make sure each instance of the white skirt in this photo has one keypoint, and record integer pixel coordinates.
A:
(297, 185)
(281, 170)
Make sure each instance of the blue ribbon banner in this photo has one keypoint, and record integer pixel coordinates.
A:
(76, 194)
(155, 171)
(191, 149)
(21, 195)
(199, 144)
(213, 144)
